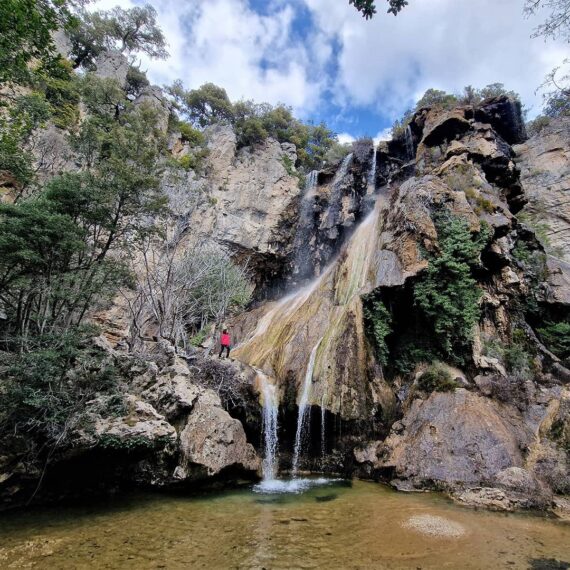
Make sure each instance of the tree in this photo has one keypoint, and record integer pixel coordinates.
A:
(26, 28)
(436, 98)
(556, 25)
(204, 106)
(447, 293)
(125, 30)
(368, 7)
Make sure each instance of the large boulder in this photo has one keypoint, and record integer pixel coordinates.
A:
(455, 439)
(111, 64)
(213, 441)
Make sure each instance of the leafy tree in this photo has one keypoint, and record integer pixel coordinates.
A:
(45, 390)
(436, 98)
(55, 246)
(204, 106)
(129, 30)
(447, 293)
(26, 28)
(368, 7)
(16, 126)
(556, 336)
(379, 320)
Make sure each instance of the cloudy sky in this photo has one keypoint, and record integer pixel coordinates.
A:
(327, 62)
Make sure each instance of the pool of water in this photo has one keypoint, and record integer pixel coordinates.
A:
(328, 524)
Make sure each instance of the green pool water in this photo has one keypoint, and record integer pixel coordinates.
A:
(334, 525)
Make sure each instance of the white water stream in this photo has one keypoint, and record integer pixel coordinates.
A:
(304, 409)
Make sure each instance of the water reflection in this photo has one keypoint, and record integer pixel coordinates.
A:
(329, 526)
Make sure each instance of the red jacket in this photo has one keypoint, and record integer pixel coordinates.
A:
(225, 340)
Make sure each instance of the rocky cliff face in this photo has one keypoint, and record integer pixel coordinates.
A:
(459, 162)
(544, 161)
(322, 252)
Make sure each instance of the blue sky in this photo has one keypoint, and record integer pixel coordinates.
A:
(322, 58)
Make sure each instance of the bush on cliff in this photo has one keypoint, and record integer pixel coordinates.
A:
(378, 319)
(44, 390)
(253, 123)
(447, 293)
(556, 337)
(436, 378)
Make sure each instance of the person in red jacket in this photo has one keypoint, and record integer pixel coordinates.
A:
(225, 343)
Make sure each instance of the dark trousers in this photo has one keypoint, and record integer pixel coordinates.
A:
(227, 348)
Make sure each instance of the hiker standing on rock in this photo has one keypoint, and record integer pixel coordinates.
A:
(225, 343)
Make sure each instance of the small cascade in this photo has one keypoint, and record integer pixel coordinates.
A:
(323, 432)
(304, 408)
(372, 173)
(410, 147)
(302, 260)
(270, 427)
(336, 190)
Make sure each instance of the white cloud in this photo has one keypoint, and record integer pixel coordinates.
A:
(389, 62)
(383, 65)
(383, 135)
(345, 138)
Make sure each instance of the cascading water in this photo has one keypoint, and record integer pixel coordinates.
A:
(302, 260)
(270, 405)
(323, 431)
(372, 174)
(336, 190)
(410, 147)
(304, 408)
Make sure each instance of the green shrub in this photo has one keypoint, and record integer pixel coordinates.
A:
(556, 337)
(44, 390)
(198, 338)
(447, 293)
(63, 94)
(136, 81)
(191, 135)
(436, 378)
(378, 320)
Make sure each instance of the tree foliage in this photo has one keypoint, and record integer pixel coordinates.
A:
(253, 122)
(129, 30)
(447, 293)
(379, 321)
(368, 7)
(26, 28)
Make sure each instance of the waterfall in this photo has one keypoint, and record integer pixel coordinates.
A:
(410, 147)
(335, 193)
(304, 408)
(302, 260)
(323, 432)
(372, 173)
(270, 427)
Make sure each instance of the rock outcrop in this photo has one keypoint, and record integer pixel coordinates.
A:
(544, 161)
(170, 430)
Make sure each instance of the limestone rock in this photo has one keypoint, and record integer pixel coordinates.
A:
(153, 97)
(491, 498)
(213, 441)
(544, 161)
(142, 422)
(456, 438)
(111, 64)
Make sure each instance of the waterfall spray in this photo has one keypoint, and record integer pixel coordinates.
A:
(410, 147)
(304, 408)
(372, 173)
(270, 427)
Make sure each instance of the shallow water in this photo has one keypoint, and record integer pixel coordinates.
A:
(327, 525)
